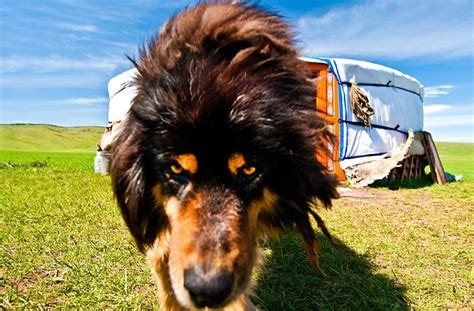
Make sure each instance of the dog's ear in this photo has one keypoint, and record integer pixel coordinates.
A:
(143, 217)
(299, 176)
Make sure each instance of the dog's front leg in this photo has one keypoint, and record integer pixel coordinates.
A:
(310, 241)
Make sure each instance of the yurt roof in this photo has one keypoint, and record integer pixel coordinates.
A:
(366, 73)
(121, 93)
(120, 82)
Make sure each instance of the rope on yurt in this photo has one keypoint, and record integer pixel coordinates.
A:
(395, 128)
(360, 105)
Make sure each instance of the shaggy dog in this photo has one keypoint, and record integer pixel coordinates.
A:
(217, 151)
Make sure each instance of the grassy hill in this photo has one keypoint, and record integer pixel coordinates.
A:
(457, 158)
(45, 137)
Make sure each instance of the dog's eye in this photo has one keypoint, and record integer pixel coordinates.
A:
(176, 169)
(176, 173)
(248, 173)
(249, 170)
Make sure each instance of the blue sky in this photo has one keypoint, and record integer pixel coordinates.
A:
(56, 57)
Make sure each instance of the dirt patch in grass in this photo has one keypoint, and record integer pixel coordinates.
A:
(49, 276)
(25, 282)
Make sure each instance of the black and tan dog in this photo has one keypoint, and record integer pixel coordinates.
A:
(217, 151)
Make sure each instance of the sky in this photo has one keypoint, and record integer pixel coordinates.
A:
(56, 57)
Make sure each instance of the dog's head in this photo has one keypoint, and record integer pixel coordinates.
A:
(219, 145)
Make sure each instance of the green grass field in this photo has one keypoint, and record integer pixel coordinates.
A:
(42, 137)
(64, 244)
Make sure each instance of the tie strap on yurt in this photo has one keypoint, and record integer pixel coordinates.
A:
(360, 105)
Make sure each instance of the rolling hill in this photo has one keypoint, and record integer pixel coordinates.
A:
(45, 137)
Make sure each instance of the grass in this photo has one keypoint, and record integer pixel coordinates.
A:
(459, 158)
(44, 137)
(64, 244)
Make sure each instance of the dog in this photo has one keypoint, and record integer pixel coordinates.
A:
(218, 150)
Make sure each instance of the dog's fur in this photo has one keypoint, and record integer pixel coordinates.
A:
(217, 151)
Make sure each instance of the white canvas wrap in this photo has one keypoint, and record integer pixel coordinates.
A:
(393, 108)
(121, 94)
(349, 70)
(397, 101)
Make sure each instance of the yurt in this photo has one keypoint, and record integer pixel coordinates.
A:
(371, 109)
(121, 93)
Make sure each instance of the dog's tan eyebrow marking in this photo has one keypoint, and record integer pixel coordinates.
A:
(236, 161)
(188, 161)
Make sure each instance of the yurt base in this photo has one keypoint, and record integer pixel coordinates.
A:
(412, 169)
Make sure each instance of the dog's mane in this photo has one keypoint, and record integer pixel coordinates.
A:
(220, 78)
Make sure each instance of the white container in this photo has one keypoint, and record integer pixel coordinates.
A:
(97, 162)
(105, 163)
(102, 162)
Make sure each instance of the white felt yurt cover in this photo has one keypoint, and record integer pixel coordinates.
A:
(397, 100)
(121, 93)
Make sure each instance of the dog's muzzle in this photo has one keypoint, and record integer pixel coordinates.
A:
(208, 290)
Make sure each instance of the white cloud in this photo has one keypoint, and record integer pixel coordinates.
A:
(80, 27)
(129, 48)
(465, 138)
(451, 133)
(53, 81)
(450, 120)
(391, 29)
(429, 109)
(437, 90)
(57, 63)
(82, 101)
(74, 102)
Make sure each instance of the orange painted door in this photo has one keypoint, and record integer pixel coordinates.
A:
(327, 107)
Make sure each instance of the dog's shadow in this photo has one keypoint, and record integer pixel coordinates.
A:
(288, 282)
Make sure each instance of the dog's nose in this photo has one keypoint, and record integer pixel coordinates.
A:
(208, 291)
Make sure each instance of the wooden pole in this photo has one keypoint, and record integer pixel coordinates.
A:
(436, 167)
